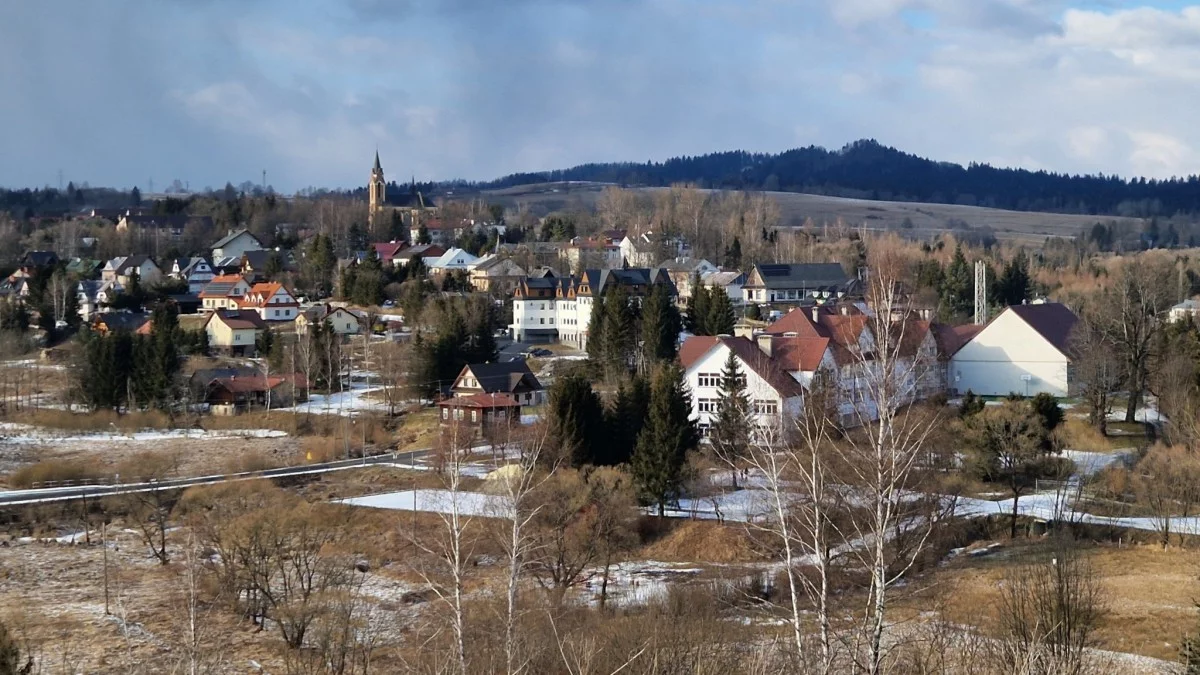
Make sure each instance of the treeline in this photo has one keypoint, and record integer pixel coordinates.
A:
(867, 169)
(463, 333)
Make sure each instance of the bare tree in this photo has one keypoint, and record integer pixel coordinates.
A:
(1128, 317)
(1167, 481)
(1097, 367)
(151, 508)
(60, 288)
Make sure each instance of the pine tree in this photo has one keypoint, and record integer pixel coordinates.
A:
(660, 326)
(733, 254)
(576, 420)
(692, 318)
(701, 299)
(163, 353)
(619, 335)
(957, 289)
(595, 339)
(625, 419)
(720, 313)
(423, 235)
(731, 428)
(1012, 288)
(660, 456)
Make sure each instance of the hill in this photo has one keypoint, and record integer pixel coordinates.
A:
(867, 169)
(917, 219)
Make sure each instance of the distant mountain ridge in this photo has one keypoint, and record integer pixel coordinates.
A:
(867, 169)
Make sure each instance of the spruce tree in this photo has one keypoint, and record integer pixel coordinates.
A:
(619, 332)
(958, 295)
(731, 429)
(720, 313)
(625, 419)
(1012, 288)
(693, 319)
(576, 420)
(733, 254)
(660, 457)
(702, 305)
(660, 326)
(595, 339)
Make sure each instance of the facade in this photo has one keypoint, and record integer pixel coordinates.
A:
(793, 283)
(774, 394)
(195, 271)
(512, 378)
(491, 274)
(223, 292)
(682, 270)
(234, 332)
(234, 244)
(1025, 350)
(272, 301)
(549, 308)
(92, 296)
(480, 411)
(122, 270)
(341, 320)
(233, 394)
(599, 252)
(1184, 311)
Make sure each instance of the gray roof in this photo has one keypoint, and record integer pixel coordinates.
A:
(1052, 321)
(601, 280)
(223, 241)
(503, 377)
(803, 275)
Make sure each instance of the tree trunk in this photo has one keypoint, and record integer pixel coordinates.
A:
(1012, 534)
(1135, 397)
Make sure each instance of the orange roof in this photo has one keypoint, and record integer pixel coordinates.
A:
(767, 367)
(799, 353)
(260, 294)
(145, 329)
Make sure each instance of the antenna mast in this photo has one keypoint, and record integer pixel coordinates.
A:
(980, 292)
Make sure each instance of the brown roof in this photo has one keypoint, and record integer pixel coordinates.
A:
(481, 401)
(239, 319)
(950, 339)
(254, 383)
(748, 353)
(799, 353)
(843, 330)
(1052, 321)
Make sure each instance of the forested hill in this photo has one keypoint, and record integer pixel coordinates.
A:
(868, 170)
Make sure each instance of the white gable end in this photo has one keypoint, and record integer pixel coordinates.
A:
(1009, 356)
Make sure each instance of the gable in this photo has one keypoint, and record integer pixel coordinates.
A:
(1008, 338)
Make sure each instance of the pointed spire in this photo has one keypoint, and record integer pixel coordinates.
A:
(377, 166)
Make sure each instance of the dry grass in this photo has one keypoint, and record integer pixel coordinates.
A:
(53, 470)
(418, 429)
(700, 541)
(1077, 434)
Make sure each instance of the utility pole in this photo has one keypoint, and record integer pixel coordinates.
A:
(981, 309)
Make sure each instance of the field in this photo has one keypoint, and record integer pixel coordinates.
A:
(912, 218)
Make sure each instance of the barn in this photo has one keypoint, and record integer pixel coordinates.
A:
(1025, 350)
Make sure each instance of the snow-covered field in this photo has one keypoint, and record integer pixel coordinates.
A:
(437, 501)
(359, 398)
(25, 434)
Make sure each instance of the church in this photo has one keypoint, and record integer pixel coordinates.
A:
(412, 206)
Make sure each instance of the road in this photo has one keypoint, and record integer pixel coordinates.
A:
(507, 350)
(43, 495)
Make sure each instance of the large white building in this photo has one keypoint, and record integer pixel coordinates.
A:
(549, 308)
(1025, 350)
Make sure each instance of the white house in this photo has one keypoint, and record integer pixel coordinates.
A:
(195, 271)
(453, 260)
(234, 244)
(774, 394)
(223, 292)
(271, 301)
(123, 269)
(1184, 311)
(730, 282)
(92, 296)
(1025, 350)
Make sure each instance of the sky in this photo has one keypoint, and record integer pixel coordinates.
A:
(122, 92)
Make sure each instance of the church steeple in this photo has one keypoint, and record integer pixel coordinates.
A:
(377, 166)
(376, 190)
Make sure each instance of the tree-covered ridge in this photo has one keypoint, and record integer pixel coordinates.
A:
(867, 169)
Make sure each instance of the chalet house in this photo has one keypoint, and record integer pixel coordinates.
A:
(114, 322)
(729, 282)
(1026, 350)
(794, 283)
(234, 332)
(197, 272)
(223, 292)
(418, 252)
(683, 270)
(234, 394)
(341, 320)
(480, 411)
(35, 261)
(234, 244)
(492, 274)
(92, 296)
(272, 301)
(511, 377)
(122, 270)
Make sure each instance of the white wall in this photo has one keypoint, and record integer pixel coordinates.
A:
(995, 362)
(713, 363)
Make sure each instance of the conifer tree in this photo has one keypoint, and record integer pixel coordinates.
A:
(693, 319)
(957, 288)
(660, 457)
(731, 429)
(576, 420)
(619, 332)
(595, 340)
(720, 313)
(1012, 288)
(625, 420)
(660, 326)
(733, 254)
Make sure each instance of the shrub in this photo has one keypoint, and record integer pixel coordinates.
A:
(53, 470)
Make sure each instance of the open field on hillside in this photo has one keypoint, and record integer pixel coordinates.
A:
(912, 218)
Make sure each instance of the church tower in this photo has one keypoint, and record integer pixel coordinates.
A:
(376, 190)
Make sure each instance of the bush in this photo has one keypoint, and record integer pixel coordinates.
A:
(53, 470)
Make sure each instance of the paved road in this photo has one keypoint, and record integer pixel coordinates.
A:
(41, 495)
(507, 350)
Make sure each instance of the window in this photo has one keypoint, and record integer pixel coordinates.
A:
(458, 413)
(474, 415)
(445, 413)
(705, 430)
(707, 405)
(709, 379)
(542, 321)
(766, 408)
(551, 321)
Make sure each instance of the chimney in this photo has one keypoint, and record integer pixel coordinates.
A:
(816, 314)
(845, 309)
(764, 342)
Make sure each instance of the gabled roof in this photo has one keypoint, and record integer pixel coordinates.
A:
(684, 264)
(808, 275)
(260, 295)
(501, 377)
(766, 367)
(193, 263)
(239, 319)
(796, 354)
(39, 259)
(248, 384)
(121, 321)
(1052, 320)
(221, 286)
(950, 339)
(224, 241)
(723, 278)
(448, 258)
(421, 251)
(388, 250)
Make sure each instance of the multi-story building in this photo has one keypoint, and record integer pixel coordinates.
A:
(550, 308)
(783, 284)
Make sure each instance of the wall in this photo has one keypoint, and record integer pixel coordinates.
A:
(996, 360)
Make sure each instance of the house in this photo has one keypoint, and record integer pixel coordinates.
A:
(234, 331)
(492, 274)
(418, 252)
(84, 268)
(549, 308)
(343, 322)
(122, 270)
(233, 394)
(92, 296)
(171, 226)
(640, 250)
(263, 264)
(234, 244)
(453, 260)
(223, 292)
(601, 252)
(774, 394)
(480, 411)
(1184, 311)
(682, 270)
(186, 303)
(730, 282)
(35, 261)
(1026, 350)
(272, 301)
(768, 284)
(387, 252)
(511, 377)
(444, 233)
(197, 272)
(114, 322)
